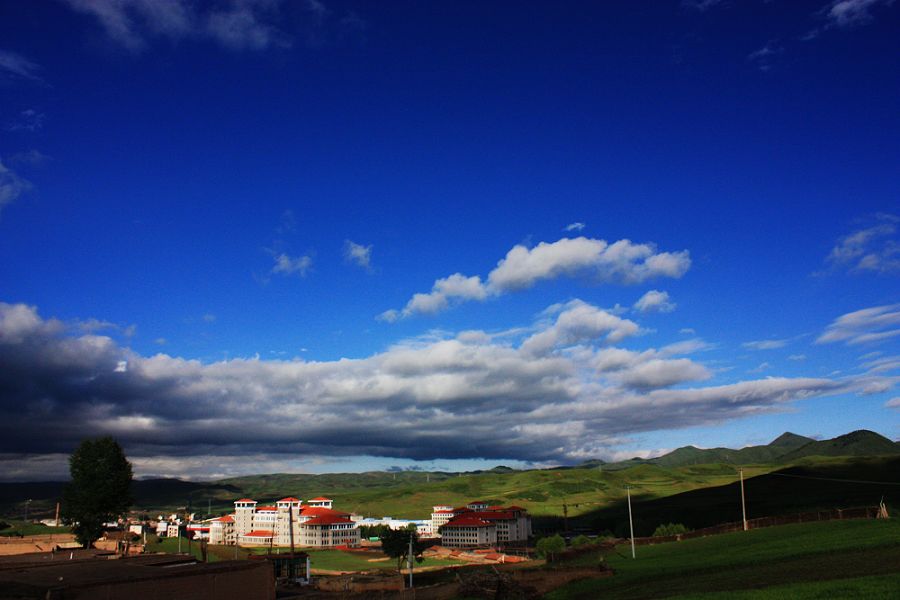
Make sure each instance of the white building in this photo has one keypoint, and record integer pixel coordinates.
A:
(424, 527)
(478, 524)
(221, 531)
(287, 521)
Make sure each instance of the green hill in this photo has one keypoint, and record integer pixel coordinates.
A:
(785, 449)
(856, 443)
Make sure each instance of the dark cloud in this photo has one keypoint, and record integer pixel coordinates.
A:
(462, 397)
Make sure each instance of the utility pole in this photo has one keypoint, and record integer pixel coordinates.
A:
(743, 502)
(291, 526)
(630, 522)
(565, 517)
(410, 558)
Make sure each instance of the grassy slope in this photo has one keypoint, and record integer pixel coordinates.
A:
(23, 528)
(767, 495)
(753, 560)
(542, 492)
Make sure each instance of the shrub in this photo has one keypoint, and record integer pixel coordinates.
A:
(670, 529)
(581, 540)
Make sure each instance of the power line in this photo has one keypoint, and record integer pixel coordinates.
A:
(833, 479)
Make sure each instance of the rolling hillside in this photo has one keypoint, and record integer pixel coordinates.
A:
(785, 449)
(593, 488)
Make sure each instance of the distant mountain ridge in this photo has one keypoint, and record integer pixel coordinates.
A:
(786, 448)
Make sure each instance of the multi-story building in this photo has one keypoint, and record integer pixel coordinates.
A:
(478, 524)
(221, 531)
(440, 515)
(287, 522)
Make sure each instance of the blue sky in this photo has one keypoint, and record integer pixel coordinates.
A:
(257, 235)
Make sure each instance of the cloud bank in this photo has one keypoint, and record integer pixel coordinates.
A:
(561, 391)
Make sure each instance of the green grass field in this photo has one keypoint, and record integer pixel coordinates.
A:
(26, 528)
(330, 560)
(858, 558)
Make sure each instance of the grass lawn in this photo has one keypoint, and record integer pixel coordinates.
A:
(780, 561)
(216, 553)
(27, 528)
(872, 587)
(330, 560)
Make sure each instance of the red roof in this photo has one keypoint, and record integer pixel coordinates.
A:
(321, 511)
(259, 533)
(492, 515)
(514, 507)
(442, 512)
(225, 519)
(328, 520)
(289, 499)
(266, 509)
(319, 499)
(245, 500)
(467, 521)
(462, 509)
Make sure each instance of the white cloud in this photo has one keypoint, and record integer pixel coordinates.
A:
(870, 325)
(235, 24)
(28, 120)
(848, 13)
(892, 403)
(16, 65)
(209, 318)
(288, 265)
(654, 301)
(574, 226)
(621, 262)
(455, 288)
(358, 254)
(700, 5)
(797, 357)
(580, 322)
(687, 330)
(760, 368)
(433, 397)
(875, 248)
(11, 186)
(763, 58)
(243, 25)
(765, 344)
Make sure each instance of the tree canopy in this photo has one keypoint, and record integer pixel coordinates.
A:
(548, 547)
(395, 543)
(100, 489)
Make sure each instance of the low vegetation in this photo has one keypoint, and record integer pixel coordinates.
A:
(858, 557)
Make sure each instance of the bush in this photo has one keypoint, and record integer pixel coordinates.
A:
(670, 529)
(581, 540)
(549, 546)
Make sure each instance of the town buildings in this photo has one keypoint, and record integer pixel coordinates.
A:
(286, 523)
(478, 524)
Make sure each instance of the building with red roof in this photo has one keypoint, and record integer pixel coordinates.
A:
(478, 524)
(320, 501)
(286, 523)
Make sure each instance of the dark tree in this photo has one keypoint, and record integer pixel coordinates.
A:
(100, 490)
(395, 543)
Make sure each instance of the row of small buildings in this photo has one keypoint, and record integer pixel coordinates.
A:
(316, 524)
